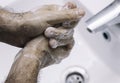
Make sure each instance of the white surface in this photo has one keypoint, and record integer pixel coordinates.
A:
(90, 51)
(3, 3)
(94, 6)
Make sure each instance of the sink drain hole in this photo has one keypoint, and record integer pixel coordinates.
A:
(75, 77)
(75, 74)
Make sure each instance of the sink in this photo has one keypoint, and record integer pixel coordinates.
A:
(97, 53)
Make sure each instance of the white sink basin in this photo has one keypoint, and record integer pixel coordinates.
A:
(100, 57)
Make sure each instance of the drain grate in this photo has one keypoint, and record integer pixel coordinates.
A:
(75, 78)
(75, 74)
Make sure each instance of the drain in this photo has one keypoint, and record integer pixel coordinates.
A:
(75, 75)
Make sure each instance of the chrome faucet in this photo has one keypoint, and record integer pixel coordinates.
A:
(110, 15)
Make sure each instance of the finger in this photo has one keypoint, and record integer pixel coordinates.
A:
(62, 52)
(70, 24)
(56, 17)
(57, 43)
(69, 5)
(54, 7)
(59, 33)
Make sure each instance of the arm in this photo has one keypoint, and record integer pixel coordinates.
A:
(33, 57)
(29, 61)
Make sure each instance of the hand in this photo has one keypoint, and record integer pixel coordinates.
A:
(55, 46)
(19, 28)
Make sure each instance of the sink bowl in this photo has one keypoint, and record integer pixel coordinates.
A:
(98, 54)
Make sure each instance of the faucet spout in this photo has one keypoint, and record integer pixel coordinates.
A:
(107, 15)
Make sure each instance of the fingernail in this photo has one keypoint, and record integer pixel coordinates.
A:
(70, 5)
(53, 43)
(49, 31)
(80, 12)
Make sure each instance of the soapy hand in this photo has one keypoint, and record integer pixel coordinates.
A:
(19, 28)
(62, 34)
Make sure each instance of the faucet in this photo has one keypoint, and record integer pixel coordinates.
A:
(109, 15)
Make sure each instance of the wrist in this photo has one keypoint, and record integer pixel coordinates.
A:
(44, 60)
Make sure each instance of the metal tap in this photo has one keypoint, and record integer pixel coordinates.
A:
(109, 15)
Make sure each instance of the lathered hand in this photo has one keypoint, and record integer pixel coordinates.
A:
(19, 28)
